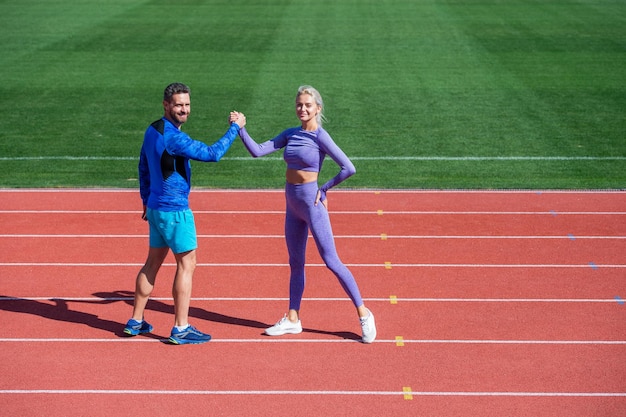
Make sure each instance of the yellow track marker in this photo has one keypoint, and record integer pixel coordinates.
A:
(383, 236)
(393, 299)
(387, 265)
(407, 393)
(380, 212)
(399, 341)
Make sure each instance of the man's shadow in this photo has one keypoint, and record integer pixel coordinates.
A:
(58, 309)
(157, 305)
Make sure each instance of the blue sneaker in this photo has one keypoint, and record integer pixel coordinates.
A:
(133, 327)
(190, 335)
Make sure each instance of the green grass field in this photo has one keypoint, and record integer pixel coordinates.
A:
(420, 93)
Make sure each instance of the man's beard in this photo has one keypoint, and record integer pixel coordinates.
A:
(180, 119)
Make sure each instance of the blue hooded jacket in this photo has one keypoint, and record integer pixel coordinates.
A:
(164, 168)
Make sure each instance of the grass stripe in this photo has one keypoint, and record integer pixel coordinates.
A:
(355, 158)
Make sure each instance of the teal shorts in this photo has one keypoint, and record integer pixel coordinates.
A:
(173, 229)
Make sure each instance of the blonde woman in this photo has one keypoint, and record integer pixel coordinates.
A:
(305, 148)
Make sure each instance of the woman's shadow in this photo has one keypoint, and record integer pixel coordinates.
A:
(58, 309)
(202, 314)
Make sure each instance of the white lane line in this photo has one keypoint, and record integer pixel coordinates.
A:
(369, 213)
(272, 299)
(314, 392)
(466, 158)
(294, 340)
(275, 265)
(385, 236)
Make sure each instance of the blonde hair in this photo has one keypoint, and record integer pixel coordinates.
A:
(307, 89)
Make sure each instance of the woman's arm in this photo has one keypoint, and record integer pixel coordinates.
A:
(265, 148)
(346, 166)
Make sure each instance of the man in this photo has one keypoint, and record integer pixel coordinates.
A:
(164, 185)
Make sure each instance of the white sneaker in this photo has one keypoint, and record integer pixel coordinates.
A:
(368, 327)
(284, 326)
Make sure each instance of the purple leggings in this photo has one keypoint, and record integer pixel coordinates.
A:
(301, 216)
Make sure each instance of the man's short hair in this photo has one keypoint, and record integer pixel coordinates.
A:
(175, 88)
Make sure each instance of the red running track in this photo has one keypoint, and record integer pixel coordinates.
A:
(487, 304)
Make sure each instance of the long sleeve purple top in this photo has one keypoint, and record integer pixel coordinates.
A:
(304, 150)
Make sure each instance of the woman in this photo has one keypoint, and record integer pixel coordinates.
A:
(305, 149)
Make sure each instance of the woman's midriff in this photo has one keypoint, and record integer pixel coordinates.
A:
(296, 176)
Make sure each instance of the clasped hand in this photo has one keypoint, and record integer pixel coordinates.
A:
(236, 117)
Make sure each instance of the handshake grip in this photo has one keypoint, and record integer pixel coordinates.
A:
(237, 117)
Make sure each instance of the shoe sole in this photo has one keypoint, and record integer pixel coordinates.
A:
(132, 332)
(295, 331)
(187, 342)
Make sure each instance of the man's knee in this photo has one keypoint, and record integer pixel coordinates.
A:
(186, 260)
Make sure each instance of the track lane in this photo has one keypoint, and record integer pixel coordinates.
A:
(364, 224)
(235, 250)
(351, 200)
(333, 319)
(306, 367)
(375, 282)
(282, 405)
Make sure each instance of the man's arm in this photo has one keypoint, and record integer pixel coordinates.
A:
(181, 144)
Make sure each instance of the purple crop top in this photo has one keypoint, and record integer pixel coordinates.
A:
(304, 150)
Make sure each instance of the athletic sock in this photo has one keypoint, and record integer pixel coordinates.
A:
(366, 317)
